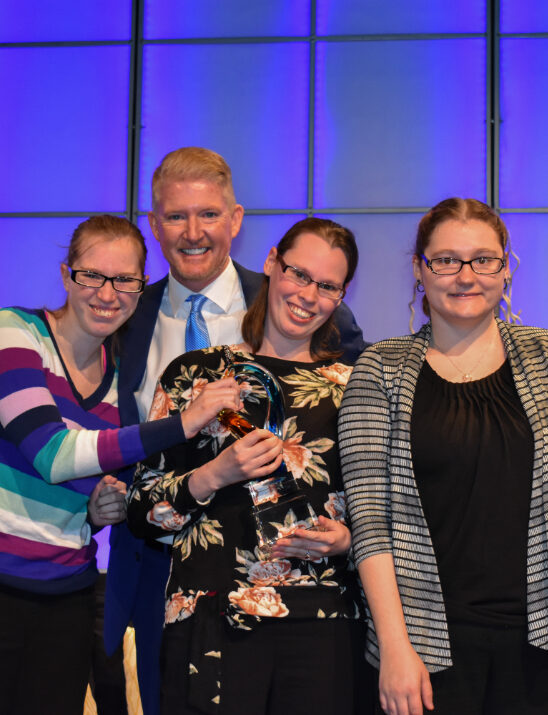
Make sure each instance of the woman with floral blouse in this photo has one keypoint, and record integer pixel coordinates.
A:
(249, 631)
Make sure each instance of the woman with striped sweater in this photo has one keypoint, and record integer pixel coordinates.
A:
(59, 435)
(444, 445)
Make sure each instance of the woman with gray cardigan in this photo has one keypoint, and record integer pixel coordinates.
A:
(444, 448)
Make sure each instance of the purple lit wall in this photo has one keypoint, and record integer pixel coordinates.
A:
(366, 111)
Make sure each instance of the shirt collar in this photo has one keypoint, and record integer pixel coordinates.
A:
(220, 292)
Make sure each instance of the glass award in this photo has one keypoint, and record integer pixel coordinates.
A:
(279, 504)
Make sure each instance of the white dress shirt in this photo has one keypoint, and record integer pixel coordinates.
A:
(223, 312)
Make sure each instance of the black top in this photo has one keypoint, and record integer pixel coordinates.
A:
(472, 450)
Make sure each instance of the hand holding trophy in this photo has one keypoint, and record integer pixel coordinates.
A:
(279, 504)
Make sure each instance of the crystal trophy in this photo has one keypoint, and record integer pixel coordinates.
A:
(279, 504)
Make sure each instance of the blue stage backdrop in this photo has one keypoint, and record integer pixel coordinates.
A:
(367, 111)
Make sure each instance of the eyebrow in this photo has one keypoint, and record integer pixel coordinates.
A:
(477, 251)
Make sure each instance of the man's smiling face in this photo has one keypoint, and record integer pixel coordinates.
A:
(195, 223)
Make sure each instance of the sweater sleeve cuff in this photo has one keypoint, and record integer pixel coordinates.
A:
(162, 434)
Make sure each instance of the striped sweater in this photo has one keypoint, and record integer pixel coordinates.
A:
(382, 496)
(54, 446)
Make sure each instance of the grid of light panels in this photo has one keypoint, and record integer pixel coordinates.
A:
(361, 110)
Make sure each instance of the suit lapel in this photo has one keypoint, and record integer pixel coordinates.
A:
(251, 282)
(135, 343)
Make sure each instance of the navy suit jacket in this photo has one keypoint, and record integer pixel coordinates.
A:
(126, 550)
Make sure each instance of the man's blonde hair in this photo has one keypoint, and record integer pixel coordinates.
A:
(193, 163)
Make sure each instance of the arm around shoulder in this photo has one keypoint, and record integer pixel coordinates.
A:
(32, 386)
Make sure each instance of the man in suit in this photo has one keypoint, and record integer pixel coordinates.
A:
(194, 217)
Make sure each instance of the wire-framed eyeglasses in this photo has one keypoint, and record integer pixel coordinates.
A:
(301, 278)
(449, 266)
(123, 284)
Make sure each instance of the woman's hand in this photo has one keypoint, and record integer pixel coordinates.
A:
(329, 539)
(107, 503)
(215, 396)
(404, 682)
(254, 456)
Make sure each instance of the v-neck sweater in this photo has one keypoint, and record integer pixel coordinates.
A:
(54, 448)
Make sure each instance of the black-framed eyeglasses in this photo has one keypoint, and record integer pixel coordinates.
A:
(449, 266)
(301, 278)
(123, 284)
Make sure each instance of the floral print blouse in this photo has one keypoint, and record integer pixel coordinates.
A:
(217, 566)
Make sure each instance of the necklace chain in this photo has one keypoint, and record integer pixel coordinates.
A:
(467, 376)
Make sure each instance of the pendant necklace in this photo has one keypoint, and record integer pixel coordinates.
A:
(467, 376)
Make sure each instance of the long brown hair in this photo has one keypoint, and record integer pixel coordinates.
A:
(325, 339)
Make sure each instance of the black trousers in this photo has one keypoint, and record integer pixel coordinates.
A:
(107, 678)
(279, 668)
(495, 672)
(45, 652)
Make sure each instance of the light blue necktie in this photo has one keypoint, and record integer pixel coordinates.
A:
(196, 336)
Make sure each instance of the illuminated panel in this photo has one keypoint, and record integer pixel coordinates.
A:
(248, 102)
(66, 145)
(399, 123)
(258, 235)
(237, 18)
(355, 17)
(529, 237)
(32, 251)
(519, 16)
(383, 284)
(156, 266)
(64, 20)
(524, 114)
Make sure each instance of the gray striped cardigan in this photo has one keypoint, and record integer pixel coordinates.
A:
(383, 500)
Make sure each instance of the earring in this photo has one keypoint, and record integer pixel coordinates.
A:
(506, 283)
(419, 286)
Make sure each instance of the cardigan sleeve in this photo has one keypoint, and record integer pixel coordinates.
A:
(31, 393)
(364, 439)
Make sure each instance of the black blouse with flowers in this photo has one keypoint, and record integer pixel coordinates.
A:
(215, 557)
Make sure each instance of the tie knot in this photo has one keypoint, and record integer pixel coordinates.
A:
(196, 301)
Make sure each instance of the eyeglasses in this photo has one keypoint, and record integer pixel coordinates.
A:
(449, 266)
(123, 284)
(301, 278)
